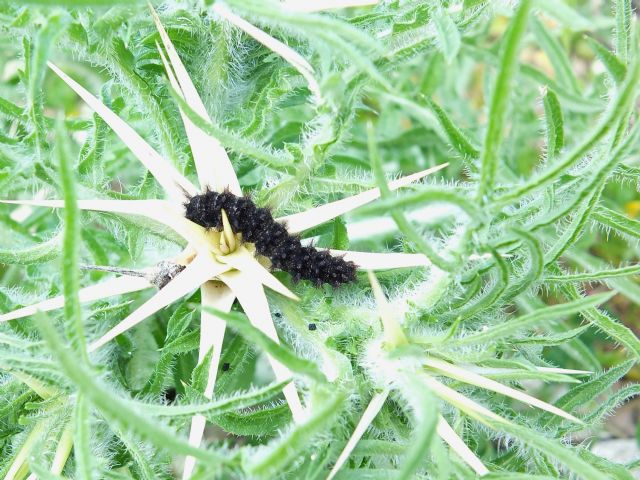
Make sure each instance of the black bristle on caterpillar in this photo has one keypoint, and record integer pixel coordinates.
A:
(271, 238)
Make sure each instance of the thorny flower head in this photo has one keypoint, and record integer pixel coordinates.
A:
(435, 368)
(224, 267)
(395, 367)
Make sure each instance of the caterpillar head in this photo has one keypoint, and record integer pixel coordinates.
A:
(204, 209)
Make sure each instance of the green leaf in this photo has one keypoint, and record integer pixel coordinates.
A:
(611, 327)
(457, 138)
(554, 123)
(570, 101)
(200, 374)
(622, 34)
(610, 404)
(39, 52)
(70, 250)
(447, 34)
(183, 344)
(92, 152)
(536, 265)
(557, 56)
(85, 468)
(232, 141)
(266, 461)
(500, 98)
(141, 466)
(472, 3)
(284, 355)
(161, 371)
(259, 422)
(555, 339)
(11, 110)
(615, 111)
(584, 202)
(381, 448)
(220, 406)
(617, 221)
(340, 237)
(587, 392)
(545, 314)
(40, 253)
(615, 470)
(625, 286)
(425, 413)
(553, 449)
(113, 407)
(179, 322)
(565, 14)
(575, 228)
(614, 66)
(595, 276)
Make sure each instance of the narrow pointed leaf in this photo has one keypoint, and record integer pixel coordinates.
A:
(211, 159)
(283, 354)
(219, 406)
(393, 333)
(596, 276)
(172, 181)
(472, 378)
(587, 392)
(296, 60)
(368, 415)
(456, 443)
(554, 123)
(39, 253)
(254, 303)
(447, 34)
(72, 314)
(202, 269)
(458, 400)
(555, 450)
(614, 66)
(219, 296)
(160, 211)
(387, 260)
(299, 222)
(116, 409)
(545, 314)
(85, 466)
(489, 155)
(109, 288)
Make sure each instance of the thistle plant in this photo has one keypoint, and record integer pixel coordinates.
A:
(479, 157)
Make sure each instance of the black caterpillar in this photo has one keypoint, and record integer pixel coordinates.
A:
(271, 238)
